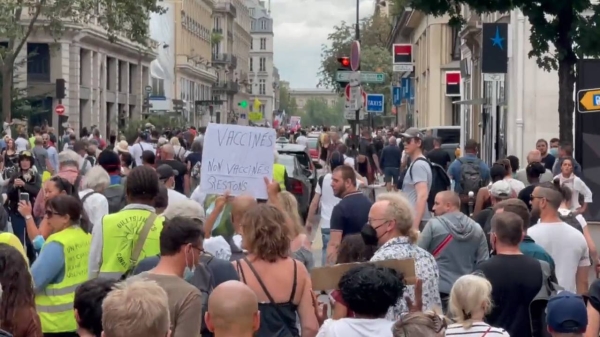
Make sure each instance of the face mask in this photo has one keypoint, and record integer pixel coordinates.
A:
(38, 242)
(369, 235)
(188, 274)
(554, 151)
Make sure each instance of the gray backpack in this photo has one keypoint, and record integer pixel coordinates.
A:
(115, 195)
(204, 281)
(470, 175)
(571, 219)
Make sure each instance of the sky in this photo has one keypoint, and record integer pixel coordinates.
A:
(301, 27)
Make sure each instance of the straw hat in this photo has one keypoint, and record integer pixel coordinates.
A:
(123, 146)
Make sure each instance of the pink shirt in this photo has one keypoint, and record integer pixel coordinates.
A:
(68, 173)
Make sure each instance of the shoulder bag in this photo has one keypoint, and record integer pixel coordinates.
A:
(139, 245)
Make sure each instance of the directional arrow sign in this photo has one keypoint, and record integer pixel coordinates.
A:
(365, 77)
(589, 100)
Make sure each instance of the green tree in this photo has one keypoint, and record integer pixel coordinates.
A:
(284, 98)
(318, 112)
(120, 18)
(374, 56)
(561, 33)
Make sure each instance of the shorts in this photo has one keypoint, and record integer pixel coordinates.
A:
(390, 174)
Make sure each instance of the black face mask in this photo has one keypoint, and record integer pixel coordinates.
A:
(369, 235)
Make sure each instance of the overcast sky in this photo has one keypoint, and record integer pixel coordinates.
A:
(301, 27)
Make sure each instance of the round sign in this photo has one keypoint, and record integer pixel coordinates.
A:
(347, 91)
(364, 95)
(60, 109)
(355, 55)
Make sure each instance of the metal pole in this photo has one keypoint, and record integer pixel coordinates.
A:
(357, 113)
(493, 119)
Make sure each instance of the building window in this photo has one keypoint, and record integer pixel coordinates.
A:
(262, 87)
(158, 87)
(251, 85)
(455, 40)
(263, 43)
(251, 11)
(263, 64)
(217, 23)
(263, 24)
(251, 64)
(262, 109)
(251, 44)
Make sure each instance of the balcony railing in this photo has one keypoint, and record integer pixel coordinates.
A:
(226, 7)
(229, 87)
(218, 31)
(225, 58)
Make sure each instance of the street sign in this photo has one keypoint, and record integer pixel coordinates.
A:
(397, 95)
(350, 114)
(60, 109)
(375, 103)
(355, 55)
(589, 100)
(148, 89)
(365, 77)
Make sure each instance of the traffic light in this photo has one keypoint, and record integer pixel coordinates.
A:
(60, 88)
(344, 65)
(243, 104)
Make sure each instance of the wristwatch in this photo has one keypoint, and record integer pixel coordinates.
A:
(28, 217)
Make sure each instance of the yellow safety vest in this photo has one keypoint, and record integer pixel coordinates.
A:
(120, 232)
(55, 303)
(279, 175)
(13, 241)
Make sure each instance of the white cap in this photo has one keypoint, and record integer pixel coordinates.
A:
(501, 189)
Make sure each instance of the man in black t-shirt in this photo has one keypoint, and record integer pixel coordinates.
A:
(367, 162)
(438, 155)
(516, 279)
(182, 179)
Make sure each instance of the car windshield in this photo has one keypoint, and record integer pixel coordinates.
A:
(303, 158)
(312, 143)
(288, 162)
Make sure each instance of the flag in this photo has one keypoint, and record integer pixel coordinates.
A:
(256, 105)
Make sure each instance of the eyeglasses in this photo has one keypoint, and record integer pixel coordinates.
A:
(50, 213)
(370, 221)
(532, 197)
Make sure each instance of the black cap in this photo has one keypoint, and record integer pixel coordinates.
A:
(165, 171)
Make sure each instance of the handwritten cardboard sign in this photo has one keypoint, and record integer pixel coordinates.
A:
(327, 278)
(237, 159)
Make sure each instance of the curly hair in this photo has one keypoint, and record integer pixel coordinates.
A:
(142, 184)
(370, 290)
(265, 233)
(17, 286)
(354, 249)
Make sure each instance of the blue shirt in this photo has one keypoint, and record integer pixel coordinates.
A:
(53, 157)
(454, 170)
(49, 267)
(115, 179)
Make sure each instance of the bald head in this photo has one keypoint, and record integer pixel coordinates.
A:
(392, 140)
(446, 202)
(225, 315)
(534, 156)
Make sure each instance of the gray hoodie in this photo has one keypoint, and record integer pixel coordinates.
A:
(458, 244)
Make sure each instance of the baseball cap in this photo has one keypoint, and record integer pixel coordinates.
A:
(566, 313)
(165, 171)
(501, 189)
(412, 133)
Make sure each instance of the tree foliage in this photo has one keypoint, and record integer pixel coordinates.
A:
(374, 55)
(561, 33)
(20, 19)
(317, 112)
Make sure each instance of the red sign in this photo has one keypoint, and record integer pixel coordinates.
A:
(355, 55)
(364, 95)
(453, 83)
(60, 109)
(402, 53)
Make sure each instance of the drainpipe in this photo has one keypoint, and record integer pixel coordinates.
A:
(520, 83)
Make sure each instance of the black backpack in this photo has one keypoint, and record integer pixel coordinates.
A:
(204, 281)
(440, 181)
(571, 219)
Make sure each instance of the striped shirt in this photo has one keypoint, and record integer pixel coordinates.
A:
(478, 329)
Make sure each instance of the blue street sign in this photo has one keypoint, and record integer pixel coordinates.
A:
(397, 95)
(406, 87)
(375, 103)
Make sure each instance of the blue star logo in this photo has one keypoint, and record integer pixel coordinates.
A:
(497, 40)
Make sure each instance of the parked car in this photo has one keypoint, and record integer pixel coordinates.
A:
(301, 153)
(298, 181)
(450, 136)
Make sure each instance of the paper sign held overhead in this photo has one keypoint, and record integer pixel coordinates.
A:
(237, 159)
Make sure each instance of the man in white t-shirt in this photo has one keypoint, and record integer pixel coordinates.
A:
(21, 143)
(563, 242)
(136, 151)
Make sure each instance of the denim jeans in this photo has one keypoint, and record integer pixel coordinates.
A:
(325, 237)
(19, 229)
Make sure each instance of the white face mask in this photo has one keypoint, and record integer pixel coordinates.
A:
(189, 271)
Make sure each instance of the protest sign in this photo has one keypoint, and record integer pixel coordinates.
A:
(237, 159)
(327, 278)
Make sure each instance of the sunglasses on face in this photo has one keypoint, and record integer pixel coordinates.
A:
(50, 213)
